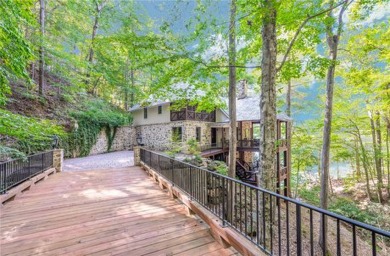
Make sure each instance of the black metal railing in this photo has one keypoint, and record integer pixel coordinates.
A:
(278, 225)
(14, 172)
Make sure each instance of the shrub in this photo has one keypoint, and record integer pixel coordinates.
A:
(32, 134)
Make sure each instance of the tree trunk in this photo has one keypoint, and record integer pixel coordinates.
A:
(388, 153)
(288, 98)
(232, 107)
(376, 156)
(232, 91)
(364, 161)
(357, 159)
(289, 135)
(41, 50)
(99, 8)
(267, 162)
(267, 171)
(132, 87)
(332, 41)
(379, 143)
(297, 182)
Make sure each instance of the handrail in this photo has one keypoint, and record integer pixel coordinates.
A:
(16, 171)
(260, 215)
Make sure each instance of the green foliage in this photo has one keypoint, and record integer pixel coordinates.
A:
(311, 195)
(10, 153)
(193, 147)
(347, 207)
(15, 50)
(175, 149)
(31, 134)
(91, 119)
(218, 166)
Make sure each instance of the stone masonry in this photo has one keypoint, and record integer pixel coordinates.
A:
(58, 159)
(159, 136)
(123, 140)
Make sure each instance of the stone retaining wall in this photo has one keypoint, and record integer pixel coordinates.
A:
(124, 139)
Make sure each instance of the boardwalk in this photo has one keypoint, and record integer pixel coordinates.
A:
(105, 212)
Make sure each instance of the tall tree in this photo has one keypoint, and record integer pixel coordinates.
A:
(41, 47)
(268, 97)
(332, 40)
(232, 91)
(98, 9)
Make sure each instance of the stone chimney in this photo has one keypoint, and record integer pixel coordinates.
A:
(242, 89)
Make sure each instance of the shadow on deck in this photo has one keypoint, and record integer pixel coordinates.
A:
(111, 211)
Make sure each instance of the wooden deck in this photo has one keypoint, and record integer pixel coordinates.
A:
(102, 212)
(213, 152)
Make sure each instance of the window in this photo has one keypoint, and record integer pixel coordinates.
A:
(159, 111)
(145, 113)
(256, 130)
(176, 134)
(198, 133)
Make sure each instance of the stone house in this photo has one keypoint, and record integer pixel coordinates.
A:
(156, 124)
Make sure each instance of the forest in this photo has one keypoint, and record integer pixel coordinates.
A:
(71, 68)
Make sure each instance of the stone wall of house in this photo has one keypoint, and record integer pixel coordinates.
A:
(159, 136)
(124, 139)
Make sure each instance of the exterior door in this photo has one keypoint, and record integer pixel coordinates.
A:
(213, 136)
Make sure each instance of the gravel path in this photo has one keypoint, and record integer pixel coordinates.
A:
(102, 161)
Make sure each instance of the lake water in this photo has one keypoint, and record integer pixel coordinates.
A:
(336, 170)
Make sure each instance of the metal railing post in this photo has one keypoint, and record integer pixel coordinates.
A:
(223, 204)
(42, 163)
(173, 178)
(190, 182)
(29, 166)
(299, 231)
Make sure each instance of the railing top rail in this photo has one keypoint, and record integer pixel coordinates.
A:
(291, 200)
(16, 159)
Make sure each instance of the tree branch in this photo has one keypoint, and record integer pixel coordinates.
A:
(300, 29)
(220, 66)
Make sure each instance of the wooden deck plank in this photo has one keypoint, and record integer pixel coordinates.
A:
(111, 211)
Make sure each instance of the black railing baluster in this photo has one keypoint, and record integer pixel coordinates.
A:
(338, 238)
(257, 217)
(324, 220)
(288, 228)
(223, 204)
(264, 219)
(373, 243)
(271, 222)
(251, 212)
(299, 232)
(354, 240)
(191, 191)
(246, 213)
(279, 228)
(240, 208)
(311, 233)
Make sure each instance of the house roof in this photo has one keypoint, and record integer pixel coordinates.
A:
(248, 108)
(152, 104)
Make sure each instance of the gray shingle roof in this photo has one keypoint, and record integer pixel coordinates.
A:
(248, 108)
